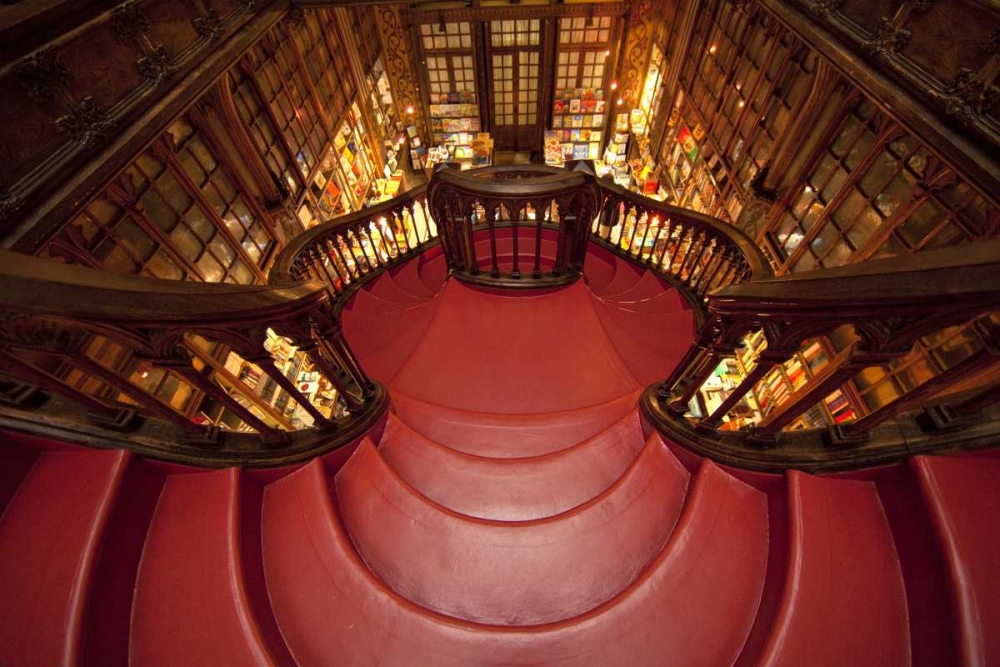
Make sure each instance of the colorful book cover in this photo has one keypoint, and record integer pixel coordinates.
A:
(579, 151)
(598, 120)
(577, 121)
(574, 106)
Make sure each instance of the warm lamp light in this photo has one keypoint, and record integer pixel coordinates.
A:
(409, 110)
(614, 85)
(620, 101)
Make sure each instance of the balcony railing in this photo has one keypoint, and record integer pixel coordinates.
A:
(886, 306)
(51, 314)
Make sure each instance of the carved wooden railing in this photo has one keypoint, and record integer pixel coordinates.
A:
(496, 221)
(51, 313)
(346, 251)
(693, 251)
(889, 304)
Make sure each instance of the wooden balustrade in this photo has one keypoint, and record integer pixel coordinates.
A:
(496, 222)
(346, 251)
(889, 304)
(50, 312)
(695, 252)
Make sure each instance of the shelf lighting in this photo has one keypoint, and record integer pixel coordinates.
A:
(620, 101)
(712, 49)
(614, 85)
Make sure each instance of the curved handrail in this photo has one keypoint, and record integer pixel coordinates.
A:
(757, 265)
(285, 264)
(51, 312)
(491, 206)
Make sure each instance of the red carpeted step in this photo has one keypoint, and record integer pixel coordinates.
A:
(369, 332)
(546, 353)
(50, 539)
(511, 489)
(844, 601)
(694, 605)
(963, 499)
(408, 279)
(668, 335)
(598, 268)
(648, 286)
(510, 573)
(508, 436)
(626, 277)
(364, 301)
(665, 303)
(191, 605)
(15, 462)
(433, 272)
(646, 364)
(385, 288)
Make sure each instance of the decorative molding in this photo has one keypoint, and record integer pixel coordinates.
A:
(823, 8)
(637, 48)
(966, 96)
(41, 73)
(209, 26)
(398, 60)
(86, 124)
(9, 204)
(157, 66)
(128, 22)
(888, 39)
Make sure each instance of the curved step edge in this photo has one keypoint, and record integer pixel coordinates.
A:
(328, 603)
(205, 506)
(844, 601)
(976, 637)
(34, 634)
(512, 489)
(510, 573)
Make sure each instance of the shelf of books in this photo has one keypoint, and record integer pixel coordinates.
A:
(453, 115)
(578, 122)
(356, 167)
(776, 388)
(615, 160)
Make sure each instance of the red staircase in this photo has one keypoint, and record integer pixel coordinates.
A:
(513, 511)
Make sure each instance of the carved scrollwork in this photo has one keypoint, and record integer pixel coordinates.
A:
(128, 22)
(823, 8)
(157, 66)
(887, 40)
(87, 123)
(967, 96)
(41, 74)
(209, 26)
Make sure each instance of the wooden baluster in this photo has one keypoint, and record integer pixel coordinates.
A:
(515, 217)
(428, 219)
(666, 243)
(491, 226)
(767, 360)
(633, 214)
(986, 356)
(317, 258)
(708, 361)
(720, 267)
(339, 244)
(536, 270)
(469, 216)
(412, 210)
(645, 234)
(694, 251)
(614, 218)
(848, 363)
(701, 269)
(399, 216)
(181, 364)
(101, 412)
(341, 349)
(349, 242)
(337, 262)
(146, 401)
(373, 247)
(264, 359)
(300, 335)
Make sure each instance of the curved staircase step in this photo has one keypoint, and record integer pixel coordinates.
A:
(962, 495)
(626, 277)
(667, 335)
(433, 272)
(50, 540)
(663, 304)
(693, 605)
(598, 268)
(510, 573)
(508, 436)
(646, 365)
(546, 353)
(408, 279)
(367, 302)
(647, 287)
(369, 332)
(512, 489)
(190, 582)
(844, 602)
(385, 287)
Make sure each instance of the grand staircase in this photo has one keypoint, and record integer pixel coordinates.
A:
(513, 509)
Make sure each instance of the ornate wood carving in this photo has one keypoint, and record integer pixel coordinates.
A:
(66, 100)
(399, 61)
(636, 52)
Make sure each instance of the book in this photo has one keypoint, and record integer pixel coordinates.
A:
(574, 106)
